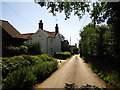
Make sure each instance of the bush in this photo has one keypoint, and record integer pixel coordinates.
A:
(19, 50)
(31, 49)
(25, 70)
(16, 62)
(43, 70)
(34, 48)
(46, 57)
(19, 79)
(62, 55)
(23, 50)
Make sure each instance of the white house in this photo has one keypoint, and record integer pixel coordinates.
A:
(50, 41)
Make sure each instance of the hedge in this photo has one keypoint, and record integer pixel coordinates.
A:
(16, 50)
(62, 55)
(22, 78)
(29, 49)
(25, 70)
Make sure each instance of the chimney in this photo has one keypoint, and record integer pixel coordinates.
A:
(41, 25)
(56, 29)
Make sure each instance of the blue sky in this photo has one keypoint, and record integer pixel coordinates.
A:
(24, 16)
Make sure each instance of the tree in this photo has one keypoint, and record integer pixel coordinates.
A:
(79, 8)
(74, 50)
(65, 46)
(99, 11)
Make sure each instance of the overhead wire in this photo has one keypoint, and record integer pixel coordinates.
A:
(80, 29)
(26, 21)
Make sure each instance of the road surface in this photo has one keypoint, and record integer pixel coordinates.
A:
(73, 71)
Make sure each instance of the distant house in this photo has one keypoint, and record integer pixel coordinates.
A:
(10, 36)
(50, 41)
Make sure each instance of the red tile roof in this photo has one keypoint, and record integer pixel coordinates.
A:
(10, 29)
(27, 35)
(51, 34)
(14, 33)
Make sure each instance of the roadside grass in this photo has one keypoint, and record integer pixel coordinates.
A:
(104, 71)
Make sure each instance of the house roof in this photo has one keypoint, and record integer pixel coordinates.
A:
(10, 29)
(27, 35)
(51, 34)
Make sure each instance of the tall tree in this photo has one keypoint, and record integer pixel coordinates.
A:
(99, 11)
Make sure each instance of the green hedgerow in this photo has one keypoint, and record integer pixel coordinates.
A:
(62, 55)
(19, 79)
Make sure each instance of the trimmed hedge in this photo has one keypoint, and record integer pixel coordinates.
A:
(29, 49)
(24, 71)
(22, 78)
(44, 70)
(62, 55)
(16, 50)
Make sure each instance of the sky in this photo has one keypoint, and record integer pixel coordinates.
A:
(25, 16)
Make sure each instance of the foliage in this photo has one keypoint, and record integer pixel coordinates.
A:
(97, 45)
(43, 70)
(20, 79)
(16, 50)
(34, 48)
(31, 49)
(79, 8)
(99, 12)
(112, 77)
(25, 70)
(97, 41)
(65, 46)
(74, 50)
(62, 55)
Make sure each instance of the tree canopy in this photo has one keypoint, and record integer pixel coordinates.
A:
(99, 11)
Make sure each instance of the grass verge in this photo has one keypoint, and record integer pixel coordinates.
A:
(105, 72)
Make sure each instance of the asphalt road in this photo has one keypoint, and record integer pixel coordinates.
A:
(73, 71)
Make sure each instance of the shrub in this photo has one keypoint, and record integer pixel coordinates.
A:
(7, 66)
(34, 48)
(46, 57)
(16, 62)
(19, 79)
(44, 69)
(23, 50)
(22, 71)
(62, 55)
(18, 50)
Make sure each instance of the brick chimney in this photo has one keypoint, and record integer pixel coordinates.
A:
(56, 29)
(41, 25)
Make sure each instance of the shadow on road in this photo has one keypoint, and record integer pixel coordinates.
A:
(73, 86)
